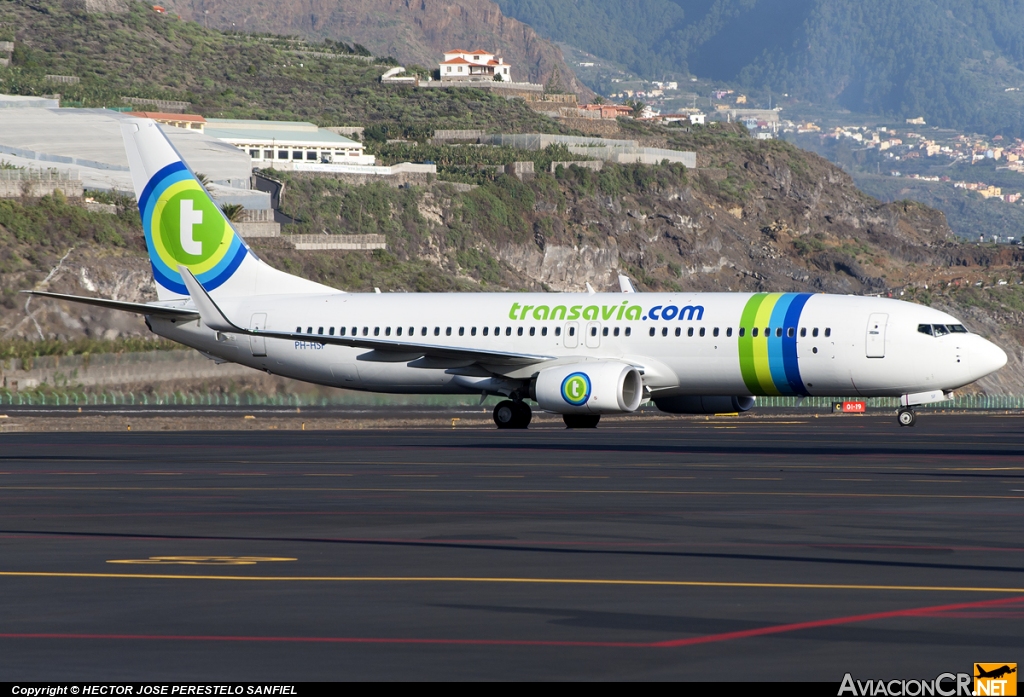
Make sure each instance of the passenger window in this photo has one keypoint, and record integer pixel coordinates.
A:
(572, 331)
(341, 331)
(485, 330)
(702, 330)
(803, 332)
(387, 331)
(508, 331)
(754, 332)
(398, 331)
(423, 332)
(715, 332)
(664, 331)
(778, 332)
(462, 331)
(558, 331)
(593, 331)
(679, 331)
(320, 331)
(376, 331)
(331, 331)
(728, 331)
(604, 332)
(629, 330)
(815, 332)
(448, 331)
(791, 332)
(472, 332)
(828, 331)
(519, 331)
(743, 331)
(355, 331)
(366, 331)
(616, 332)
(412, 331)
(652, 331)
(497, 331)
(437, 331)
(298, 330)
(543, 331)
(309, 330)
(533, 331)
(767, 332)
(689, 332)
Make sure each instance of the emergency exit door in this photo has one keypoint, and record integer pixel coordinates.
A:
(875, 343)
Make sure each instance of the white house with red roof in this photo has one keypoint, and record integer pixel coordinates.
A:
(478, 65)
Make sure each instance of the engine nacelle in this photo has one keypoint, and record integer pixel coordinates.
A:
(599, 387)
(698, 404)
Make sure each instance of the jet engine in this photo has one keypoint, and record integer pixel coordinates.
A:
(599, 387)
(699, 404)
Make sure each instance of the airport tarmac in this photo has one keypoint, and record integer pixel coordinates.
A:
(732, 548)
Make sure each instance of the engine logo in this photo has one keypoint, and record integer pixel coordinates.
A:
(576, 389)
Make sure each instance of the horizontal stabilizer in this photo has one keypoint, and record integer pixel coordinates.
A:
(139, 308)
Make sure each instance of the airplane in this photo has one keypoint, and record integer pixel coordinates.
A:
(581, 355)
(995, 673)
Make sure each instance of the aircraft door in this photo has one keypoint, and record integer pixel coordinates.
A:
(593, 334)
(258, 344)
(875, 343)
(572, 335)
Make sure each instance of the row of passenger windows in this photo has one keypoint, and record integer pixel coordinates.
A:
(941, 329)
(755, 331)
(424, 331)
(605, 331)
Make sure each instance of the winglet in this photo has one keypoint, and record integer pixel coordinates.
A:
(209, 313)
(626, 285)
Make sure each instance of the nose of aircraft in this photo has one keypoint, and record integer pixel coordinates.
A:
(986, 357)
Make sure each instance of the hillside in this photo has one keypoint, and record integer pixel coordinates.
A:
(140, 53)
(413, 32)
(755, 216)
(950, 61)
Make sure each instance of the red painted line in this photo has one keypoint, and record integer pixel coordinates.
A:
(815, 624)
(934, 611)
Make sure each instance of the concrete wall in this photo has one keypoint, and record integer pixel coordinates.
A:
(34, 188)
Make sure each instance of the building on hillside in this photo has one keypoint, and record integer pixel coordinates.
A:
(192, 122)
(606, 111)
(274, 143)
(474, 66)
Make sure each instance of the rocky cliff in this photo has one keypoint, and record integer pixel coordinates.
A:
(413, 31)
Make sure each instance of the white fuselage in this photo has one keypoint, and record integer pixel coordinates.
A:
(837, 345)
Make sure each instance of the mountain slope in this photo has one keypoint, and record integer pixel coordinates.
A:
(947, 60)
(414, 32)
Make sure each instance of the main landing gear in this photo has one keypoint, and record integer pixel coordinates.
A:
(512, 414)
(906, 416)
(581, 420)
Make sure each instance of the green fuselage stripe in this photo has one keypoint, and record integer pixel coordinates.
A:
(746, 344)
(762, 366)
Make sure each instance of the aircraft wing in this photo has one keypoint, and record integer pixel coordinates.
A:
(388, 350)
(140, 308)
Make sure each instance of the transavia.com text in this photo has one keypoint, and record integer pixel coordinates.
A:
(133, 690)
(945, 685)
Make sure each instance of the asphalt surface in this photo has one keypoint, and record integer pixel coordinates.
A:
(793, 548)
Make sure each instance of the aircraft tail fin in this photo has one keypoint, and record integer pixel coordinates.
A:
(184, 226)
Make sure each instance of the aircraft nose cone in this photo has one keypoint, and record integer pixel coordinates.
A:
(987, 358)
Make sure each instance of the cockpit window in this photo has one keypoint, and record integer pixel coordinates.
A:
(941, 329)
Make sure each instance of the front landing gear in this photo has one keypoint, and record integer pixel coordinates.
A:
(906, 416)
(512, 414)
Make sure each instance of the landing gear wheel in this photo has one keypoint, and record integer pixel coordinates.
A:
(906, 417)
(581, 420)
(509, 414)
